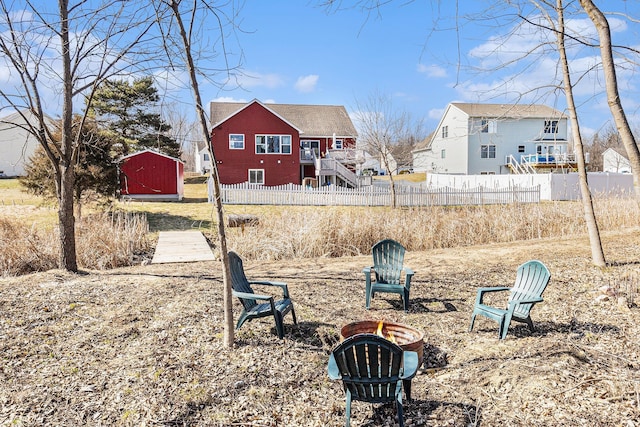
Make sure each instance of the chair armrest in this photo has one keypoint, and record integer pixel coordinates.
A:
(367, 270)
(482, 291)
(332, 368)
(408, 274)
(530, 300)
(410, 364)
(282, 285)
(494, 289)
(248, 295)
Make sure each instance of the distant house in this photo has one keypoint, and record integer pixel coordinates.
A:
(149, 175)
(17, 145)
(275, 144)
(476, 139)
(615, 161)
(203, 160)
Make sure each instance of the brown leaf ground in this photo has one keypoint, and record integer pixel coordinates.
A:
(142, 346)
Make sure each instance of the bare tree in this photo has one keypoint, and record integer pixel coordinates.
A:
(382, 129)
(597, 253)
(611, 84)
(185, 22)
(58, 56)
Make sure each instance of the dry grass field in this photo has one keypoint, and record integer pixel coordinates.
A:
(141, 345)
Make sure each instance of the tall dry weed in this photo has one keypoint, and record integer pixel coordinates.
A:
(330, 232)
(102, 241)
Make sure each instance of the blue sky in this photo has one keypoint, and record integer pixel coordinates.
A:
(296, 52)
(413, 51)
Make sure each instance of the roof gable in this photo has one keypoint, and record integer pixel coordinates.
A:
(309, 120)
(147, 150)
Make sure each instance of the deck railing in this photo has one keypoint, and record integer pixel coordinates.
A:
(407, 196)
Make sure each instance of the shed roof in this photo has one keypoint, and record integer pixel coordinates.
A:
(311, 120)
(509, 110)
(148, 150)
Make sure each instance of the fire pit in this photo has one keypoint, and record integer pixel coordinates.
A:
(406, 337)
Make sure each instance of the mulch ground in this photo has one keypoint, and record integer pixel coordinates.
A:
(142, 346)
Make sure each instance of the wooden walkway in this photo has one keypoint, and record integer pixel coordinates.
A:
(182, 246)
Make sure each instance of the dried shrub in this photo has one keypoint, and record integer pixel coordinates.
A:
(107, 240)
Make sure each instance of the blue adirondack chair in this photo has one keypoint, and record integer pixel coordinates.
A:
(251, 308)
(388, 259)
(372, 369)
(532, 278)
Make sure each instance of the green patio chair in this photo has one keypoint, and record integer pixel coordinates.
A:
(388, 259)
(372, 370)
(251, 308)
(532, 278)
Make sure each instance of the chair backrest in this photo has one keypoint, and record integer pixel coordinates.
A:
(370, 367)
(239, 281)
(388, 258)
(531, 280)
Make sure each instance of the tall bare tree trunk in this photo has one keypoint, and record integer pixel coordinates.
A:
(222, 238)
(66, 219)
(611, 83)
(597, 253)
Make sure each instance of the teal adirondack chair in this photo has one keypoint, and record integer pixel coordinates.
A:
(251, 308)
(372, 370)
(388, 259)
(532, 278)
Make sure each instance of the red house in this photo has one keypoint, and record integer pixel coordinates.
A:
(149, 175)
(275, 144)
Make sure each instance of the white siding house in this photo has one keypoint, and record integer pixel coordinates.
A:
(614, 161)
(16, 143)
(203, 160)
(496, 139)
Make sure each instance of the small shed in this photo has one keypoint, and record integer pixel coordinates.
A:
(150, 175)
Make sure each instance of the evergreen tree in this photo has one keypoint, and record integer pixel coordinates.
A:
(95, 169)
(128, 112)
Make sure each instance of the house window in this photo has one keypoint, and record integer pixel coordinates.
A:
(442, 154)
(309, 149)
(256, 176)
(488, 126)
(520, 148)
(445, 131)
(205, 157)
(273, 144)
(337, 145)
(236, 141)
(550, 126)
(487, 151)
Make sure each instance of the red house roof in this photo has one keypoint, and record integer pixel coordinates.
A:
(309, 120)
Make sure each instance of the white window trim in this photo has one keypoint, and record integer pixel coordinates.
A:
(290, 144)
(489, 151)
(231, 146)
(249, 176)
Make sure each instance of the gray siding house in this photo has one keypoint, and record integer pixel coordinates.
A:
(16, 143)
(476, 139)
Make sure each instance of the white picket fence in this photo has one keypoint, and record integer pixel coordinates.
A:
(290, 194)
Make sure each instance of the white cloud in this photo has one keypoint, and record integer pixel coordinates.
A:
(307, 84)
(251, 79)
(432, 70)
(228, 99)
